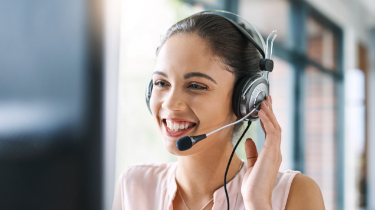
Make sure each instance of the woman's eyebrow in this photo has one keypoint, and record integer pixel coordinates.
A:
(161, 73)
(198, 74)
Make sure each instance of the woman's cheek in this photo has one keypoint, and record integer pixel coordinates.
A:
(210, 114)
(155, 104)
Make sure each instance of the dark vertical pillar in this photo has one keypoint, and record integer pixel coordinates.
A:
(297, 42)
(371, 120)
(52, 104)
(231, 6)
(340, 97)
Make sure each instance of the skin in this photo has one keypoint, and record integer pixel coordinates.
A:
(208, 104)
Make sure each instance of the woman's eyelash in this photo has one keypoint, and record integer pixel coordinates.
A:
(197, 87)
(160, 83)
(193, 86)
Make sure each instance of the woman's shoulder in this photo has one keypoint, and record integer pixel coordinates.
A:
(304, 194)
(281, 188)
(146, 173)
(293, 190)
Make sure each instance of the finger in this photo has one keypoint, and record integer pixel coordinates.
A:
(277, 126)
(261, 124)
(265, 106)
(251, 152)
(269, 101)
(275, 136)
(268, 125)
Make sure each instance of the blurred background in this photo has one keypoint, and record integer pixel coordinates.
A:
(58, 99)
(73, 75)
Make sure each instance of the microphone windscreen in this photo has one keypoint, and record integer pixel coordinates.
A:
(184, 143)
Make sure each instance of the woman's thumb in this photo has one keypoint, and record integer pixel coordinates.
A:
(251, 152)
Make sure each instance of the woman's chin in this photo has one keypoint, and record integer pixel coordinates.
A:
(170, 145)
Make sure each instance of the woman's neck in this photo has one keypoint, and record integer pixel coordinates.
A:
(199, 175)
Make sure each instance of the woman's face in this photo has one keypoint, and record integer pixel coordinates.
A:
(192, 94)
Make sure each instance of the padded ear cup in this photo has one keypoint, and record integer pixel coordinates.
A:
(237, 92)
(148, 94)
(256, 89)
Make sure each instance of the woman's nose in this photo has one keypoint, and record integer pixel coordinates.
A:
(173, 101)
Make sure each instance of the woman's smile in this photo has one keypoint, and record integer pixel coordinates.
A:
(177, 128)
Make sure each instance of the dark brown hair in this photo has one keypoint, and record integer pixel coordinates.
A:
(223, 40)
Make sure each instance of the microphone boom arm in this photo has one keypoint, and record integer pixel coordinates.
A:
(233, 123)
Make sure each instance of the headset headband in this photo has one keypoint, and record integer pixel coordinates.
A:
(265, 64)
(243, 31)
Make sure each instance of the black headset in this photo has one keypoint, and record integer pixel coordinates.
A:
(249, 91)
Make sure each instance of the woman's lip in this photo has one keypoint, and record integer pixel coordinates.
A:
(175, 134)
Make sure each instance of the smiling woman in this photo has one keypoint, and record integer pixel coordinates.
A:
(191, 98)
(199, 63)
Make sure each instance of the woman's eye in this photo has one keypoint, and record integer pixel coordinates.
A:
(197, 87)
(160, 83)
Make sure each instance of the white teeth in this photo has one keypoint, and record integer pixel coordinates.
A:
(176, 126)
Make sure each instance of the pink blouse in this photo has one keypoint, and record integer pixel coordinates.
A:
(153, 186)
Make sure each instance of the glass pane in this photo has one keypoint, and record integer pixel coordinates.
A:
(281, 87)
(355, 132)
(321, 44)
(275, 18)
(320, 129)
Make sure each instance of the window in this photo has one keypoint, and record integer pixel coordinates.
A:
(320, 129)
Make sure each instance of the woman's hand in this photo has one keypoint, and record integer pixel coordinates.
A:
(262, 170)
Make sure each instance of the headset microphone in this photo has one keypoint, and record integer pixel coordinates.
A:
(186, 142)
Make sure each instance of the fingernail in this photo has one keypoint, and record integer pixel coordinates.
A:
(266, 104)
(271, 99)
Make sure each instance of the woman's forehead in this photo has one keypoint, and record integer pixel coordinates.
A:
(184, 53)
